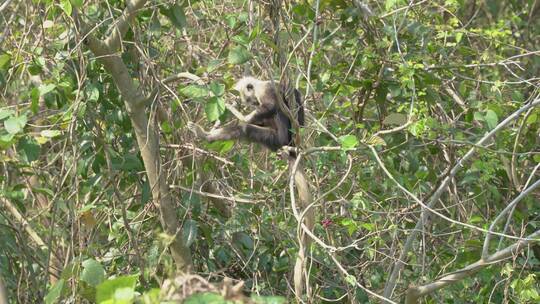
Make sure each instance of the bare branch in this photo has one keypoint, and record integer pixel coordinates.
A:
(510, 206)
(391, 282)
(414, 293)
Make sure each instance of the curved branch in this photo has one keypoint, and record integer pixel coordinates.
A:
(414, 293)
(391, 283)
(511, 205)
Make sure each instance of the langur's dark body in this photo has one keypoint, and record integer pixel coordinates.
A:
(267, 125)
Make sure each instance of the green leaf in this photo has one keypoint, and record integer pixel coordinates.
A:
(65, 5)
(239, 55)
(189, 232)
(350, 224)
(213, 65)
(34, 69)
(395, 119)
(4, 61)
(491, 119)
(124, 295)
(351, 280)
(517, 96)
(131, 162)
(44, 191)
(176, 15)
(221, 146)
(34, 97)
(93, 273)
(389, 4)
(195, 91)
(214, 108)
(6, 140)
(268, 300)
(530, 120)
(15, 124)
(179, 16)
(46, 88)
(107, 290)
(206, 298)
(376, 141)
(5, 112)
(459, 36)
(348, 141)
(28, 149)
(92, 92)
(479, 116)
(50, 133)
(55, 292)
(395, 91)
(476, 219)
(77, 3)
(151, 296)
(217, 89)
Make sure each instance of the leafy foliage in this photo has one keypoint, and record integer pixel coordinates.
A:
(422, 82)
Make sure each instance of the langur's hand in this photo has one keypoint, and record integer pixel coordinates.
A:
(235, 112)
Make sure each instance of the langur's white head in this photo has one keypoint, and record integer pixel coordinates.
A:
(250, 89)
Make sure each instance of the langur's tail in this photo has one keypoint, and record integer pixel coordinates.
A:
(300, 115)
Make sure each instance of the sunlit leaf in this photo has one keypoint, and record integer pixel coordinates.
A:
(77, 3)
(93, 273)
(376, 141)
(239, 55)
(195, 91)
(348, 141)
(50, 133)
(106, 290)
(206, 298)
(66, 6)
(15, 124)
(214, 108)
(491, 119)
(6, 113)
(46, 88)
(55, 292)
(4, 61)
(268, 299)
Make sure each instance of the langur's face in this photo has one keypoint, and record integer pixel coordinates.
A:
(247, 95)
(246, 88)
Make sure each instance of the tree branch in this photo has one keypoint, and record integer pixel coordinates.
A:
(145, 132)
(414, 293)
(391, 283)
(510, 206)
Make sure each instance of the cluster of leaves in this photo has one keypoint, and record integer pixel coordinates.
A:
(66, 127)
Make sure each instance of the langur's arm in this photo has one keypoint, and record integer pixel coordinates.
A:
(228, 132)
(236, 113)
(262, 112)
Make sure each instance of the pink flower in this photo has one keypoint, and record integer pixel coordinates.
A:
(326, 223)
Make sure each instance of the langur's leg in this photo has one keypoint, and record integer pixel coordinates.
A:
(229, 132)
(265, 136)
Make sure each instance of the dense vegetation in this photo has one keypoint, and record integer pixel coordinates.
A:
(422, 136)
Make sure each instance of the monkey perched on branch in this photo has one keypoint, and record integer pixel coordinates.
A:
(267, 124)
(270, 125)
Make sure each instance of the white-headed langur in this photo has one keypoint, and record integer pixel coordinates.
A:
(267, 124)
